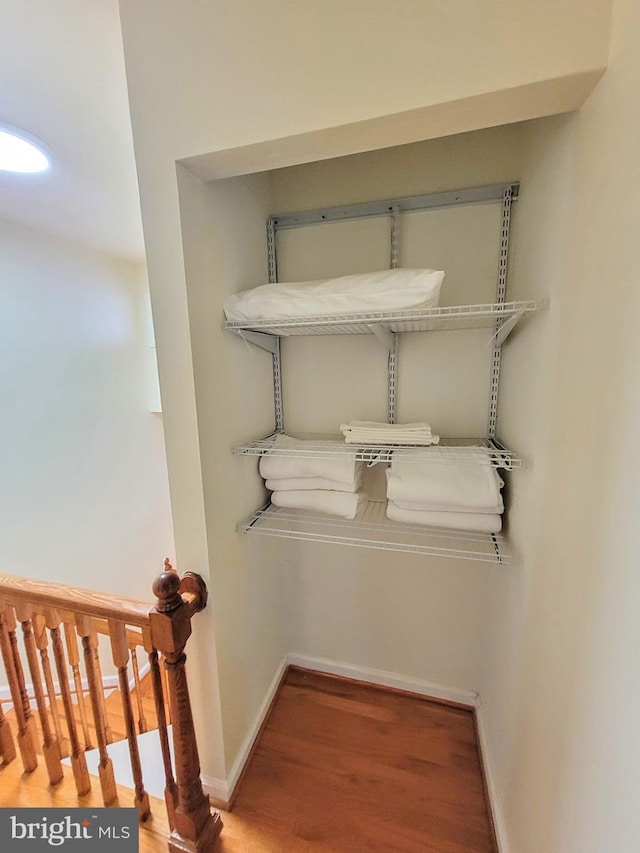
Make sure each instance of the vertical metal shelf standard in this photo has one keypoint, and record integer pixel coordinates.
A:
(393, 352)
(505, 227)
(277, 366)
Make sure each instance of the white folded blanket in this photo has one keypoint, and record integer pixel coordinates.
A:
(342, 470)
(281, 484)
(342, 504)
(372, 432)
(463, 481)
(498, 508)
(364, 293)
(474, 522)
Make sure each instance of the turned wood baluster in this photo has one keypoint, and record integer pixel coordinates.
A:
(78, 762)
(91, 664)
(170, 787)
(7, 746)
(50, 746)
(98, 670)
(195, 826)
(12, 626)
(26, 741)
(42, 643)
(120, 652)
(74, 661)
(142, 721)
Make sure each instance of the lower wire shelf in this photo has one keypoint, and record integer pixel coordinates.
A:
(372, 529)
(321, 446)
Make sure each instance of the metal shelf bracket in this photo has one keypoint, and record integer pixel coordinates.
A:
(507, 327)
(384, 335)
(260, 339)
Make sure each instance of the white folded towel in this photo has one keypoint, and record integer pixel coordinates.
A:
(341, 470)
(281, 484)
(385, 427)
(474, 522)
(363, 293)
(342, 504)
(468, 484)
(373, 432)
(404, 440)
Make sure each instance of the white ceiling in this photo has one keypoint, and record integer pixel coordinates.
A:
(62, 79)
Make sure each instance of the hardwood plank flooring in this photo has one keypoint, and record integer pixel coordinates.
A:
(340, 767)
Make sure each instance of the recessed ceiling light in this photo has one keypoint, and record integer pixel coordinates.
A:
(21, 152)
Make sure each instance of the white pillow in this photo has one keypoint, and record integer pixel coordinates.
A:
(364, 293)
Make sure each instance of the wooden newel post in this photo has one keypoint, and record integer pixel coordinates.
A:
(196, 827)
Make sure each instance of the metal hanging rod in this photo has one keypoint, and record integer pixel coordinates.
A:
(474, 195)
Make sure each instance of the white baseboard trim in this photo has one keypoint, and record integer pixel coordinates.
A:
(222, 790)
(385, 679)
(217, 789)
(492, 791)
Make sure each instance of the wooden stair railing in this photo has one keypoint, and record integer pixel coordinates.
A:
(68, 622)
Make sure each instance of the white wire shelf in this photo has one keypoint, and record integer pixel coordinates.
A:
(372, 529)
(416, 320)
(334, 446)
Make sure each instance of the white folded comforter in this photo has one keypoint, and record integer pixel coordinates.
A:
(343, 470)
(474, 522)
(364, 293)
(461, 482)
(342, 504)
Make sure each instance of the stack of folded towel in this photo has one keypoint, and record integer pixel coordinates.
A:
(372, 432)
(455, 488)
(311, 482)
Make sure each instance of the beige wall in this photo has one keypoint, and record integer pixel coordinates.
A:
(560, 683)
(213, 76)
(223, 228)
(83, 492)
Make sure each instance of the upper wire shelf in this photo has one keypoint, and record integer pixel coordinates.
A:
(372, 529)
(414, 320)
(332, 447)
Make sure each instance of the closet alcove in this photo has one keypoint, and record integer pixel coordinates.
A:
(414, 602)
(412, 206)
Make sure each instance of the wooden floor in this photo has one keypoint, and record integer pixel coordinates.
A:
(342, 767)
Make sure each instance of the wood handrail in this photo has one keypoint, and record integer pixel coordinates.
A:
(85, 601)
